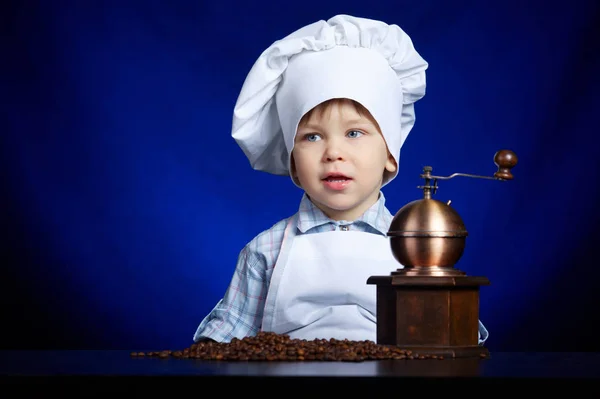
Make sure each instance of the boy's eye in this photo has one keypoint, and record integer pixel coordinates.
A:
(354, 134)
(312, 137)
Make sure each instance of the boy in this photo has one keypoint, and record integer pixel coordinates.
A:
(329, 105)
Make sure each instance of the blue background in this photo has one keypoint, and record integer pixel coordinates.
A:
(126, 202)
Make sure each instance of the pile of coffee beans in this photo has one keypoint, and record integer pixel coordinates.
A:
(268, 346)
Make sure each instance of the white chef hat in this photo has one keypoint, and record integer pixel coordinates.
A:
(368, 61)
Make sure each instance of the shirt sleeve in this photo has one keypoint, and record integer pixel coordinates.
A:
(483, 333)
(239, 313)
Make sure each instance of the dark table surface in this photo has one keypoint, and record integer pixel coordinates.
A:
(104, 367)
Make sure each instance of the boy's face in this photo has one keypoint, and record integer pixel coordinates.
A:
(339, 158)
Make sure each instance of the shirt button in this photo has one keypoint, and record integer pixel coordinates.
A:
(344, 228)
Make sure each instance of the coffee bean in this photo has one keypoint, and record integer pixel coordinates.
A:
(268, 346)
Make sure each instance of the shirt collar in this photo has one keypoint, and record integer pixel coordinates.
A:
(377, 216)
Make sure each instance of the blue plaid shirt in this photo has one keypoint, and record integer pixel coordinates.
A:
(239, 313)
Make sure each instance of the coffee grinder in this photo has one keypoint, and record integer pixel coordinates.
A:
(429, 306)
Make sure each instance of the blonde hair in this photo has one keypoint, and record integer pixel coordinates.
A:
(325, 108)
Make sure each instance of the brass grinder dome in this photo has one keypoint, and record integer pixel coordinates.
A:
(427, 236)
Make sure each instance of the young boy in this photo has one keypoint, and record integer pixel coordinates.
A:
(329, 105)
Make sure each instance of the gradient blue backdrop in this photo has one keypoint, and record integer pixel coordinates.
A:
(126, 202)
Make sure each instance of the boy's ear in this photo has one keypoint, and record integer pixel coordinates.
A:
(390, 164)
(293, 172)
(293, 166)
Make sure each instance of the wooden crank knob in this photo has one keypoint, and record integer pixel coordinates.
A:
(505, 160)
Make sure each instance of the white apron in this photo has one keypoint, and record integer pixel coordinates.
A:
(319, 285)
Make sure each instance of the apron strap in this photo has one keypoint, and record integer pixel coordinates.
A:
(286, 243)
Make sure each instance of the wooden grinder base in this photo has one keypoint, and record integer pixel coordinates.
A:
(430, 315)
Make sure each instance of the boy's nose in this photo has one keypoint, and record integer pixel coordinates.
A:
(333, 152)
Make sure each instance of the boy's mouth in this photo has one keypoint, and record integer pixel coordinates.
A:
(336, 181)
(336, 177)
